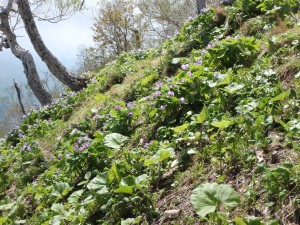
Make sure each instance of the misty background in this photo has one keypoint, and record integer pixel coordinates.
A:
(63, 39)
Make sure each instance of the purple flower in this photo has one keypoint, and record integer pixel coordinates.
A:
(169, 79)
(202, 52)
(96, 117)
(170, 93)
(182, 100)
(184, 66)
(159, 84)
(199, 62)
(130, 114)
(224, 1)
(171, 86)
(182, 80)
(131, 105)
(190, 74)
(208, 46)
(162, 107)
(59, 156)
(108, 116)
(117, 107)
(68, 155)
(156, 94)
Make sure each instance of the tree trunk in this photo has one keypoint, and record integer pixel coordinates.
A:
(26, 58)
(201, 4)
(53, 64)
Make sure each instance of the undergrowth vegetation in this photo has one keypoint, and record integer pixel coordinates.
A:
(204, 130)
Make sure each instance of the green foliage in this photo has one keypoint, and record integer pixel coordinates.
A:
(113, 156)
(212, 197)
(233, 51)
(280, 7)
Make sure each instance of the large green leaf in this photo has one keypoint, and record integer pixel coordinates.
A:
(113, 175)
(115, 140)
(280, 97)
(209, 197)
(225, 81)
(181, 128)
(201, 117)
(98, 184)
(222, 124)
(59, 209)
(4, 221)
(60, 189)
(141, 178)
(160, 156)
(131, 221)
(124, 190)
(74, 197)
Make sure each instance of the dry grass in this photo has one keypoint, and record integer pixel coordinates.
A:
(281, 27)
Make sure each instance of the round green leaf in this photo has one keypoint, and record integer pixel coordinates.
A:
(114, 140)
(208, 198)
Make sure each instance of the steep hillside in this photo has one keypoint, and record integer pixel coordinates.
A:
(204, 130)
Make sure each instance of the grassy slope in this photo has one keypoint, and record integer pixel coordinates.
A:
(218, 103)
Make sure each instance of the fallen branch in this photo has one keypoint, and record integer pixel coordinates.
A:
(19, 97)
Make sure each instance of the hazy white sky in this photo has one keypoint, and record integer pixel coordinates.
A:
(63, 40)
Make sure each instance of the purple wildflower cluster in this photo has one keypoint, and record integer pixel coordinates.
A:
(185, 66)
(190, 74)
(25, 147)
(225, 2)
(96, 117)
(131, 105)
(156, 94)
(170, 94)
(118, 108)
(82, 144)
(21, 135)
(199, 62)
(130, 114)
(159, 84)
